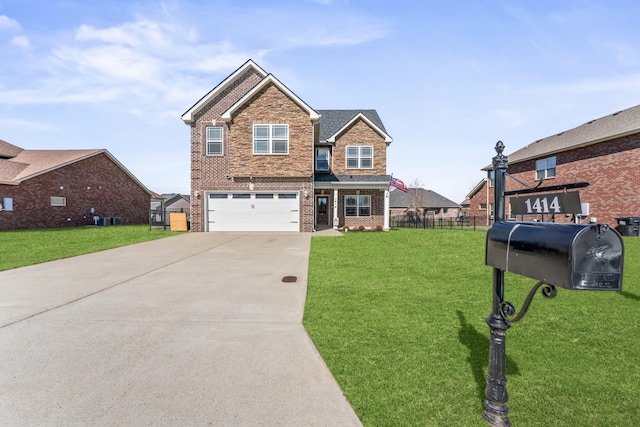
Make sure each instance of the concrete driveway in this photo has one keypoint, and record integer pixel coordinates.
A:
(197, 329)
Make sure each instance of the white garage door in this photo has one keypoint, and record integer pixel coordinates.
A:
(278, 211)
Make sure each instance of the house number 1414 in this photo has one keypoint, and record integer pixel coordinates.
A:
(541, 205)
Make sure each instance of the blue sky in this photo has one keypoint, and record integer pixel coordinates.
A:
(449, 79)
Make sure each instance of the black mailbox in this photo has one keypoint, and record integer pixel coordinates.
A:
(572, 256)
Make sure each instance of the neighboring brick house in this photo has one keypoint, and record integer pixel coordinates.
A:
(264, 160)
(418, 202)
(604, 153)
(66, 188)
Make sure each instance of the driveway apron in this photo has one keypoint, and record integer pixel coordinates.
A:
(197, 329)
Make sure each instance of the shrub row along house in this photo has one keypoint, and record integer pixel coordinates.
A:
(66, 188)
(605, 153)
(264, 160)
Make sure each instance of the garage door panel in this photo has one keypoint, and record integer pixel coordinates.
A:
(259, 212)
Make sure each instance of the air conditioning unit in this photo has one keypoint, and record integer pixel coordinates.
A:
(585, 210)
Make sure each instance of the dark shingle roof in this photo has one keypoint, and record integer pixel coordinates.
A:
(331, 121)
(329, 177)
(420, 196)
(599, 130)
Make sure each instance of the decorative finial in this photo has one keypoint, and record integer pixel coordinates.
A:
(500, 160)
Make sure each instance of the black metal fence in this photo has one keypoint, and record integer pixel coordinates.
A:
(160, 218)
(426, 222)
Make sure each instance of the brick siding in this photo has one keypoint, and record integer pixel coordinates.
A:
(360, 134)
(95, 182)
(611, 169)
(238, 168)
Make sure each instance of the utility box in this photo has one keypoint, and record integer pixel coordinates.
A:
(572, 256)
(629, 226)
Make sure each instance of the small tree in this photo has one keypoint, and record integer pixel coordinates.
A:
(417, 199)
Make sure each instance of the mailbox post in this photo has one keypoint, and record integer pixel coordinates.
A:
(572, 256)
(495, 405)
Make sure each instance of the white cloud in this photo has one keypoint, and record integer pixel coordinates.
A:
(114, 62)
(7, 23)
(8, 122)
(141, 33)
(21, 41)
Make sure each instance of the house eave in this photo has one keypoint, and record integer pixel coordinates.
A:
(313, 115)
(361, 116)
(351, 185)
(565, 149)
(188, 115)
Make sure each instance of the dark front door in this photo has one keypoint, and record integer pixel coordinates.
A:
(322, 210)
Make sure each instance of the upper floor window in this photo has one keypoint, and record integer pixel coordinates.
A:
(546, 168)
(214, 141)
(322, 159)
(360, 157)
(492, 178)
(270, 139)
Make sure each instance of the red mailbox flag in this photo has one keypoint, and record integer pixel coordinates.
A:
(395, 182)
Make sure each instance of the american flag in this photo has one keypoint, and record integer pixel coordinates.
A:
(395, 182)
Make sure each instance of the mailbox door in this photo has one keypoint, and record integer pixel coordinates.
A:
(598, 256)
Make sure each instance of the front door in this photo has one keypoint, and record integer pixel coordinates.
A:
(322, 210)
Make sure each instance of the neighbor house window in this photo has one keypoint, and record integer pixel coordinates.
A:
(214, 141)
(492, 178)
(58, 201)
(483, 206)
(270, 139)
(360, 157)
(546, 168)
(357, 205)
(7, 204)
(322, 159)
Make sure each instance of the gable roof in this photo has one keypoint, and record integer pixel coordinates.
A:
(187, 117)
(334, 122)
(270, 79)
(7, 150)
(612, 126)
(170, 199)
(477, 188)
(426, 199)
(28, 164)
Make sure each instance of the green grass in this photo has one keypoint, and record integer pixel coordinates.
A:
(26, 247)
(399, 319)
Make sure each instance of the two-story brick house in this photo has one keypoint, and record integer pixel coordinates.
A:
(264, 160)
(605, 153)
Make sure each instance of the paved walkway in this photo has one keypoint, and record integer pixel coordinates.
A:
(197, 329)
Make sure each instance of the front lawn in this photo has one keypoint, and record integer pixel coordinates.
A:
(26, 247)
(399, 319)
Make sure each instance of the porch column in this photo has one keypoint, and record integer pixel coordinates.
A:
(386, 210)
(335, 208)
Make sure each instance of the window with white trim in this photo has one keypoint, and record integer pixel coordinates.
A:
(7, 204)
(214, 141)
(322, 159)
(270, 139)
(357, 205)
(546, 168)
(359, 157)
(58, 201)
